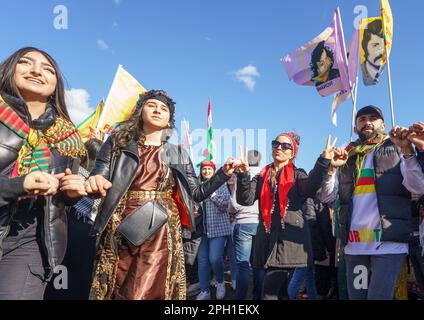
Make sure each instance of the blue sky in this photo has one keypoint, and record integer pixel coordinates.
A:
(193, 49)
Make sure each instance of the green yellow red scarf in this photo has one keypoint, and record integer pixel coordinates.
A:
(361, 149)
(36, 151)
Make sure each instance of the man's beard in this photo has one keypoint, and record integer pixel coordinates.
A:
(365, 136)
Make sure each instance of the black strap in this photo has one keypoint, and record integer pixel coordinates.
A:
(8, 170)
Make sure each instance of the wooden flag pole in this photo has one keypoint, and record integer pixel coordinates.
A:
(389, 77)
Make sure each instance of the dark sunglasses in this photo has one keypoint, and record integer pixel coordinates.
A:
(284, 145)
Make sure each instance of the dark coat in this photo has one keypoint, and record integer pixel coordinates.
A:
(288, 245)
(54, 231)
(323, 240)
(394, 201)
(120, 169)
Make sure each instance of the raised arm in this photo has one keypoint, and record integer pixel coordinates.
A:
(247, 189)
(309, 185)
(201, 191)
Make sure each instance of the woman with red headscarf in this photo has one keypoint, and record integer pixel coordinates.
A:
(283, 240)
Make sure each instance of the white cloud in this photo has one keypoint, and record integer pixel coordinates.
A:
(247, 75)
(102, 44)
(78, 103)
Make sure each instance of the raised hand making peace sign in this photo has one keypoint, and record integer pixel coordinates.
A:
(328, 152)
(243, 162)
(338, 156)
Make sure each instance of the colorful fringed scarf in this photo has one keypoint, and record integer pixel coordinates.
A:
(361, 150)
(35, 153)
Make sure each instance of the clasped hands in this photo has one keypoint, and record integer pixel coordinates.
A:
(73, 185)
(338, 157)
(404, 138)
(46, 184)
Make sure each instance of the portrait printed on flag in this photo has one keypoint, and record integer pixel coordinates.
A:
(322, 64)
(372, 50)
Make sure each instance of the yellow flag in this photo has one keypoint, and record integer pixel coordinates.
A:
(120, 103)
(88, 126)
(387, 17)
(372, 50)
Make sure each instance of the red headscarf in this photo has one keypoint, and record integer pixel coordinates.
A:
(285, 183)
(208, 164)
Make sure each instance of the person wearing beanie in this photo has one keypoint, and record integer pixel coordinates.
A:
(208, 164)
(216, 228)
(283, 240)
(144, 168)
(374, 180)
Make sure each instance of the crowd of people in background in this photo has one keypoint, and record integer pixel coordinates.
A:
(129, 219)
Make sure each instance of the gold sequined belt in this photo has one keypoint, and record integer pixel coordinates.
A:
(149, 195)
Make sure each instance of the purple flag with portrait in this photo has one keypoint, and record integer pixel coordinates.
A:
(353, 69)
(322, 61)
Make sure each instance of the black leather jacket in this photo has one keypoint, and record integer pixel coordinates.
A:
(120, 169)
(54, 231)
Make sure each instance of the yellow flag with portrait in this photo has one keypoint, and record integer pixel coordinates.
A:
(372, 50)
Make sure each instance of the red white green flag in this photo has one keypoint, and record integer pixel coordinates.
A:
(209, 153)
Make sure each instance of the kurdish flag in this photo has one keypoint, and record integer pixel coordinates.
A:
(209, 152)
(365, 183)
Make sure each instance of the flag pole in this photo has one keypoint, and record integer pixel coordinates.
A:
(350, 82)
(387, 17)
(353, 96)
(389, 77)
(354, 101)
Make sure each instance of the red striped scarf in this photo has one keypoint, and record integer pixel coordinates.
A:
(36, 151)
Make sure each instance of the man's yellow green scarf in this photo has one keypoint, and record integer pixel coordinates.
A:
(36, 151)
(361, 149)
